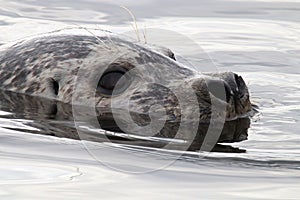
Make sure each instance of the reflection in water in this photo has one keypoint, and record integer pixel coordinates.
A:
(53, 118)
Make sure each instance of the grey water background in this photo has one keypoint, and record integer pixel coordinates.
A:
(258, 39)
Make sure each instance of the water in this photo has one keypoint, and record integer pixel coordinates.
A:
(259, 40)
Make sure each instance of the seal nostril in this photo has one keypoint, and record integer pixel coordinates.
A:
(219, 89)
(238, 80)
(228, 92)
(241, 85)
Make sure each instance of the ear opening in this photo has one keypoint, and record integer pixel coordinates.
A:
(55, 86)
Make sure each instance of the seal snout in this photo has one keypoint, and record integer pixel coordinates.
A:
(212, 87)
(220, 89)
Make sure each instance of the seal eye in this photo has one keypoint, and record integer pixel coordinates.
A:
(114, 82)
(109, 80)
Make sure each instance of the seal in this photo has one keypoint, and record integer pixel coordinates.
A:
(75, 67)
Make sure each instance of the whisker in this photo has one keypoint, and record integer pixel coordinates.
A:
(97, 38)
(110, 40)
(134, 22)
(144, 34)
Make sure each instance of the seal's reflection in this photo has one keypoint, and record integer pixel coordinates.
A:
(56, 119)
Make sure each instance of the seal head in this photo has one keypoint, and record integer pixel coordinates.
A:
(106, 70)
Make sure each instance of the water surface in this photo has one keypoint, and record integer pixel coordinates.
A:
(259, 40)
